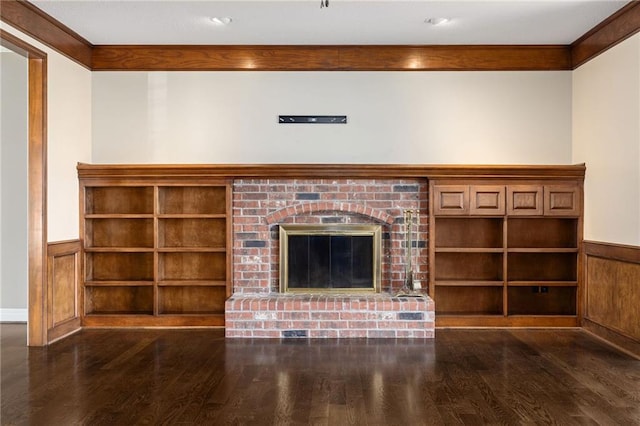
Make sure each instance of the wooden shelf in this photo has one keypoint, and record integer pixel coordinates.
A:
(192, 232)
(542, 250)
(118, 216)
(118, 250)
(192, 216)
(182, 283)
(469, 232)
(118, 283)
(540, 233)
(469, 283)
(476, 300)
(456, 266)
(192, 250)
(185, 199)
(468, 250)
(119, 200)
(542, 283)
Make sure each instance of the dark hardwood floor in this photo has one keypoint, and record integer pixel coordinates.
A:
(185, 377)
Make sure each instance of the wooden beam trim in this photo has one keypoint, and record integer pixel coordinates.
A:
(615, 29)
(330, 58)
(621, 252)
(36, 23)
(168, 171)
(32, 21)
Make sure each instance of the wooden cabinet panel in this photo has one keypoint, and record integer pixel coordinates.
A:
(524, 200)
(487, 200)
(451, 200)
(561, 200)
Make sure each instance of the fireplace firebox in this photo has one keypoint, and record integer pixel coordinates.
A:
(336, 258)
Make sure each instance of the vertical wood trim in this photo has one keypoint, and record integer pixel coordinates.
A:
(156, 253)
(37, 201)
(229, 239)
(37, 186)
(57, 329)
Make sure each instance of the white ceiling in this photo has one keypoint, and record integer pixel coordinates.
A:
(343, 22)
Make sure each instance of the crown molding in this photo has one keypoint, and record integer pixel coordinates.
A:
(27, 18)
(613, 30)
(32, 21)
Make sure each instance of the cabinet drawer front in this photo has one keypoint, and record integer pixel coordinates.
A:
(561, 200)
(524, 200)
(487, 200)
(450, 200)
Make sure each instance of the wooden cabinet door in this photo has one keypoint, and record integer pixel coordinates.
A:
(486, 200)
(561, 200)
(524, 200)
(450, 200)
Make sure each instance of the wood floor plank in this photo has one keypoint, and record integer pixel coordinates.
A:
(197, 377)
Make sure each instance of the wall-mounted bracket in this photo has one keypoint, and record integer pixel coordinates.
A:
(312, 119)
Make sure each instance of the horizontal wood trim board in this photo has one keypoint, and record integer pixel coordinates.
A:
(624, 253)
(618, 27)
(60, 248)
(330, 58)
(168, 171)
(32, 21)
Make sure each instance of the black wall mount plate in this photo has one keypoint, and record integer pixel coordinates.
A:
(312, 119)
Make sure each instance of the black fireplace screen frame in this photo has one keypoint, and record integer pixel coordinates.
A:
(334, 238)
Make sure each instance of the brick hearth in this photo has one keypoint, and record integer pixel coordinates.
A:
(256, 309)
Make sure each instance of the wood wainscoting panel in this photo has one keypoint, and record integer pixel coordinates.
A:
(63, 265)
(612, 293)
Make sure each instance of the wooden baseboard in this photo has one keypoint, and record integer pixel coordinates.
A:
(620, 341)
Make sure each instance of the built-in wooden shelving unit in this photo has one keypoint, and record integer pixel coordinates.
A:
(157, 251)
(506, 254)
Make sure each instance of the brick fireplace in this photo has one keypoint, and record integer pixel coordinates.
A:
(260, 206)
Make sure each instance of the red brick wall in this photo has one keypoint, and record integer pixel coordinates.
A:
(259, 205)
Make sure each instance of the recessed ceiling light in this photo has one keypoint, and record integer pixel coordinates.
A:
(437, 21)
(221, 20)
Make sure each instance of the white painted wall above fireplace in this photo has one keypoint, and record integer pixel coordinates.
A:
(394, 117)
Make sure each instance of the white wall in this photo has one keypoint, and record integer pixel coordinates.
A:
(606, 136)
(394, 117)
(69, 137)
(14, 140)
